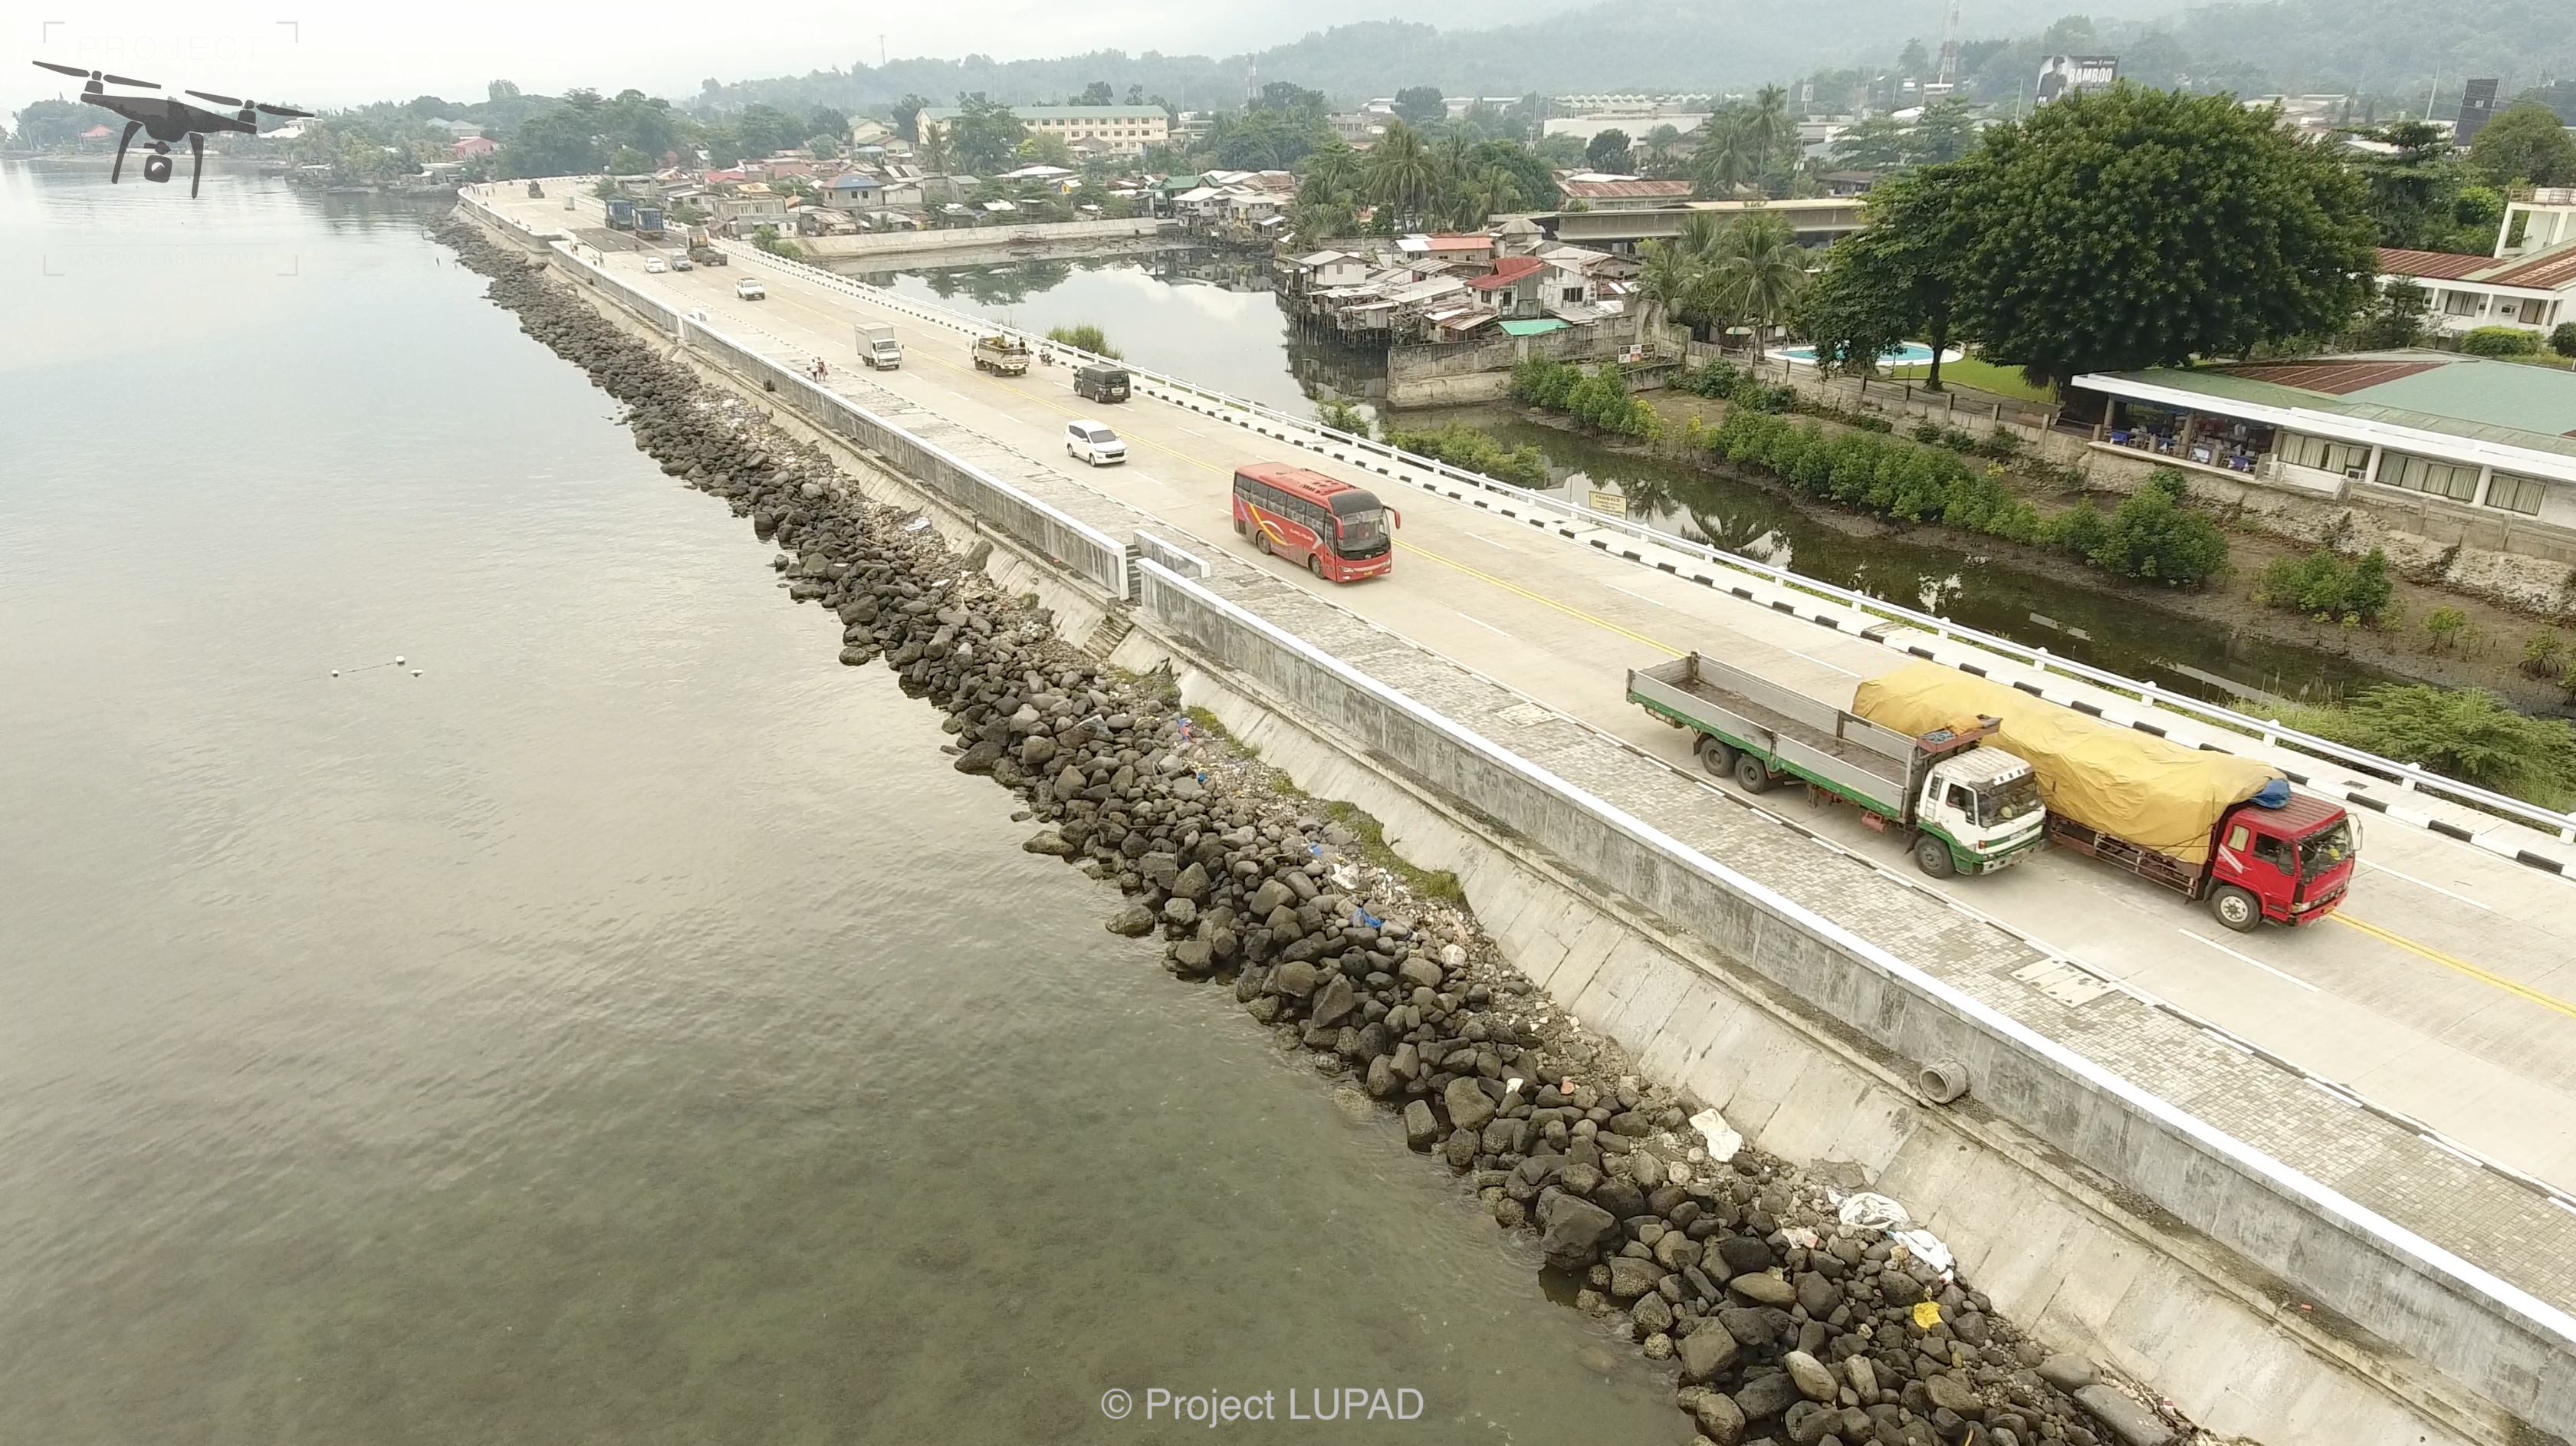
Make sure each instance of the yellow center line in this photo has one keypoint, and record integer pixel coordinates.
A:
(1566, 608)
(2447, 961)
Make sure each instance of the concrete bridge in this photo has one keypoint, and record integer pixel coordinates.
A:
(2315, 1185)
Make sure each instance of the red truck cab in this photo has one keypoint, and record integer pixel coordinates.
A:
(2290, 865)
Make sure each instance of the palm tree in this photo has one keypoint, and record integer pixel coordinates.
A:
(1402, 175)
(1729, 156)
(1670, 275)
(1330, 171)
(1768, 125)
(1700, 234)
(1475, 197)
(1758, 271)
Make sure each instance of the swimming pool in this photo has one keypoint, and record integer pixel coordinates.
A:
(1907, 354)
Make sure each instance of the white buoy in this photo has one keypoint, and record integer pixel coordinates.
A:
(335, 672)
(398, 660)
(415, 672)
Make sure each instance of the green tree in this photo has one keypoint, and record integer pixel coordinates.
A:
(1098, 92)
(2141, 228)
(2395, 318)
(1898, 278)
(2527, 143)
(907, 116)
(1292, 99)
(1421, 105)
(1768, 126)
(1876, 144)
(52, 125)
(1402, 177)
(629, 161)
(1756, 271)
(501, 90)
(1729, 157)
(2414, 193)
(2467, 734)
(1664, 282)
(984, 136)
(1608, 151)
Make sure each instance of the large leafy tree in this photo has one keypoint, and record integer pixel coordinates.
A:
(2527, 143)
(1421, 105)
(1608, 151)
(2414, 192)
(2141, 228)
(1899, 278)
(984, 137)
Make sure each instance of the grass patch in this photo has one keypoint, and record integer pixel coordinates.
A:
(1205, 724)
(1985, 376)
(1436, 884)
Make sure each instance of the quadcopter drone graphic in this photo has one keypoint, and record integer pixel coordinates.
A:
(166, 120)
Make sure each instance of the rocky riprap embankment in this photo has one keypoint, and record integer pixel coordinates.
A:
(1782, 1322)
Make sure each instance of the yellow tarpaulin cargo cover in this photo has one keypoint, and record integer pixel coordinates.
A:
(2113, 779)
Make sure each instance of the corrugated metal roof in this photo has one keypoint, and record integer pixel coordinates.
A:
(2506, 403)
(2332, 378)
(1626, 190)
(2546, 272)
(1534, 328)
(2439, 265)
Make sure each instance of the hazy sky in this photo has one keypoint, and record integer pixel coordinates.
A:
(342, 54)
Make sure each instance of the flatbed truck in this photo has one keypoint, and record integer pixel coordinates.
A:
(1962, 808)
(1002, 355)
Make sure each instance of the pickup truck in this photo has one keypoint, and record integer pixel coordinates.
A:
(1963, 808)
(1003, 356)
(750, 289)
(878, 346)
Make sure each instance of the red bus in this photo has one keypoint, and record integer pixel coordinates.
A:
(1340, 532)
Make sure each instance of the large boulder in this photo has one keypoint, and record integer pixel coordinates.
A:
(1570, 1227)
(1469, 1106)
(1705, 1352)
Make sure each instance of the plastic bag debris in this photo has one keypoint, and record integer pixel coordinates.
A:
(1928, 1248)
(1723, 1141)
(1927, 1314)
(1866, 1211)
(1802, 1237)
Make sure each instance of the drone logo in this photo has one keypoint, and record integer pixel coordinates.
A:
(167, 121)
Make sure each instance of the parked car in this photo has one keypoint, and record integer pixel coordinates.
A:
(750, 289)
(1094, 443)
(1100, 384)
(656, 264)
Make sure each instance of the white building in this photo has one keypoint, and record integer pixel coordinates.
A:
(1104, 129)
(2530, 281)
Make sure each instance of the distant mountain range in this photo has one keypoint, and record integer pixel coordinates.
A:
(2393, 47)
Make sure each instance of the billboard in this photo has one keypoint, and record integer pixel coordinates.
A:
(2477, 107)
(2076, 75)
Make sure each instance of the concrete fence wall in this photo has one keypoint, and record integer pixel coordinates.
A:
(2513, 1349)
(961, 238)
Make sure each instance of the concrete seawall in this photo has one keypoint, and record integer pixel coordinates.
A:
(2050, 1183)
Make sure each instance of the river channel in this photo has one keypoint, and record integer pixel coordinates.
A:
(625, 1027)
(1208, 315)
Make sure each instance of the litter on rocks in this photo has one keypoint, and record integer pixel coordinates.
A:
(1722, 1139)
(1865, 1211)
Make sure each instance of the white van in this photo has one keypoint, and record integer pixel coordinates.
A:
(1093, 443)
(656, 264)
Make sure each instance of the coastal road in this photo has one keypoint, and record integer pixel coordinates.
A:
(2445, 989)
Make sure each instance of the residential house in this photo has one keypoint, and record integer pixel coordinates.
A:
(2530, 281)
(1107, 129)
(1517, 288)
(472, 146)
(1848, 183)
(1477, 248)
(744, 209)
(1358, 129)
(854, 190)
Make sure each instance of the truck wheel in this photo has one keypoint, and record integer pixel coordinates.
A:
(1932, 856)
(1751, 774)
(2236, 908)
(1715, 756)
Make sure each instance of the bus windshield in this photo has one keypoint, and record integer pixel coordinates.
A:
(2321, 851)
(1363, 533)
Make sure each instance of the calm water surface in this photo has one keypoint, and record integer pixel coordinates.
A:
(629, 1030)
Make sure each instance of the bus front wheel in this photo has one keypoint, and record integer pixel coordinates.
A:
(1315, 563)
(2235, 908)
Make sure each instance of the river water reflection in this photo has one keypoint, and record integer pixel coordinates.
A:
(627, 1030)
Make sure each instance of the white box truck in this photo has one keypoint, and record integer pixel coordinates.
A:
(878, 348)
